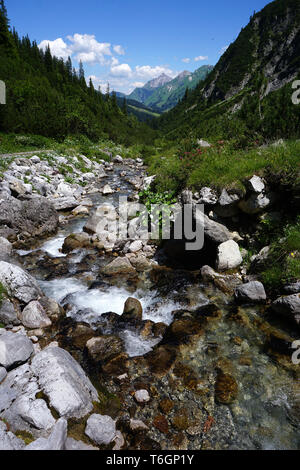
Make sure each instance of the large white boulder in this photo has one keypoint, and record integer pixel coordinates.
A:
(229, 256)
(64, 382)
(8, 441)
(256, 184)
(253, 292)
(107, 190)
(101, 429)
(34, 316)
(8, 314)
(15, 349)
(289, 306)
(3, 374)
(64, 203)
(56, 440)
(5, 248)
(18, 283)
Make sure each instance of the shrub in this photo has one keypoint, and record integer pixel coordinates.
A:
(283, 265)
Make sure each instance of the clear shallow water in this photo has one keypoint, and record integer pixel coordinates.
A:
(265, 414)
(53, 246)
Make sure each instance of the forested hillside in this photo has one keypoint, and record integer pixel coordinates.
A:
(47, 96)
(248, 95)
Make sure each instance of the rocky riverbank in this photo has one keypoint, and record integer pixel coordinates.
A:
(127, 344)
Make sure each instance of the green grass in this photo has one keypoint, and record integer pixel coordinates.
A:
(143, 111)
(283, 265)
(12, 143)
(2, 293)
(222, 165)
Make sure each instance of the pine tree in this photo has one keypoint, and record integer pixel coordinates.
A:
(107, 95)
(91, 87)
(69, 67)
(114, 101)
(81, 75)
(48, 59)
(6, 39)
(74, 75)
(124, 107)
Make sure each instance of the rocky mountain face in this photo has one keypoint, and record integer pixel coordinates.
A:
(164, 93)
(158, 82)
(168, 95)
(251, 83)
(269, 45)
(143, 93)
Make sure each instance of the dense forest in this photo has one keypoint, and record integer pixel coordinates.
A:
(47, 96)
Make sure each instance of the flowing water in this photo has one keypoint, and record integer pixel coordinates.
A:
(267, 412)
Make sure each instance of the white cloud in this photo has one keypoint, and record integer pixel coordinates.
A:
(186, 60)
(119, 50)
(114, 61)
(201, 57)
(147, 72)
(58, 48)
(85, 47)
(122, 70)
(138, 84)
(124, 78)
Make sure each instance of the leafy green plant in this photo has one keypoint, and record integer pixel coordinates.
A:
(3, 292)
(283, 264)
(159, 205)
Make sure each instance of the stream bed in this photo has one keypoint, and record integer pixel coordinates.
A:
(266, 413)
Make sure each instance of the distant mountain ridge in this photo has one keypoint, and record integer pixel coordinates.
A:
(158, 82)
(143, 93)
(168, 95)
(163, 92)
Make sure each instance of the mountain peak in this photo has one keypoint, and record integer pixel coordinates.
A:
(159, 81)
(184, 74)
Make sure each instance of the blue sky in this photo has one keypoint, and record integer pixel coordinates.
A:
(128, 42)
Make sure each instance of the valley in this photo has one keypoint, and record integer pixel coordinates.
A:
(117, 333)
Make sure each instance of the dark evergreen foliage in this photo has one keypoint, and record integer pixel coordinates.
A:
(46, 96)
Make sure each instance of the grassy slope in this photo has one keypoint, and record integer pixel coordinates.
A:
(221, 166)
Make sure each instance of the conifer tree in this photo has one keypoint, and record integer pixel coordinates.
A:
(91, 87)
(48, 59)
(124, 107)
(107, 95)
(81, 75)
(114, 101)
(69, 67)
(5, 34)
